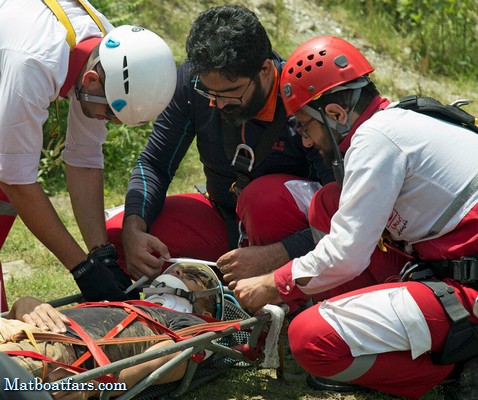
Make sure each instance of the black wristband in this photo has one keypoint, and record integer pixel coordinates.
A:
(107, 250)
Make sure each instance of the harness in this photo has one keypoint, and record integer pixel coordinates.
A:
(94, 346)
(60, 14)
(461, 343)
(245, 159)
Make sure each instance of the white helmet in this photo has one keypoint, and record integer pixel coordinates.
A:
(140, 73)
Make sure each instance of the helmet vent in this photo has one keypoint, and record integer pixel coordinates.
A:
(299, 75)
(125, 75)
(319, 63)
(308, 68)
(323, 53)
(310, 57)
(299, 63)
(291, 71)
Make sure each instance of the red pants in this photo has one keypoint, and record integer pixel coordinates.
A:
(191, 227)
(320, 350)
(383, 265)
(7, 217)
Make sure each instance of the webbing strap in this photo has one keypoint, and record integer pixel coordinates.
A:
(65, 21)
(94, 349)
(446, 294)
(93, 16)
(461, 199)
(131, 307)
(112, 333)
(41, 357)
(55, 7)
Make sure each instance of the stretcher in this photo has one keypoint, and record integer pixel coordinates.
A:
(237, 341)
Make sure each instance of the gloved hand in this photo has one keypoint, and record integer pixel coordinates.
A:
(100, 277)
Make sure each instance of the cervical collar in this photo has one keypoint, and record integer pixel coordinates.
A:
(176, 303)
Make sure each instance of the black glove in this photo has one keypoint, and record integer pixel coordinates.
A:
(100, 277)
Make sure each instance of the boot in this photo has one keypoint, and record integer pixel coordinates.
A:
(466, 386)
(319, 383)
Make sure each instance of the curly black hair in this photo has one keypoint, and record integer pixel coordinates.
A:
(229, 39)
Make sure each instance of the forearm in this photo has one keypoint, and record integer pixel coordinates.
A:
(38, 214)
(134, 374)
(85, 186)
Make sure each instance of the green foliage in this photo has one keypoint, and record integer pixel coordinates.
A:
(437, 36)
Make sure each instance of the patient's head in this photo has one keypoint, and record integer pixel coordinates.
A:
(180, 280)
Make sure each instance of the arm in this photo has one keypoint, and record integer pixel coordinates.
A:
(129, 376)
(172, 134)
(85, 186)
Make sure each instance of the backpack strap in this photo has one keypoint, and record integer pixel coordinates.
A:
(56, 9)
(433, 108)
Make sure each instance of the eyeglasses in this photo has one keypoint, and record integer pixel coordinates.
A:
(109, 112)
(303, 128)
(216, 97)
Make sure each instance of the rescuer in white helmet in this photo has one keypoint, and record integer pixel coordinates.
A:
(64, 48)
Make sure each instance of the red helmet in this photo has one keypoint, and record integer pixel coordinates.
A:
(317, 66)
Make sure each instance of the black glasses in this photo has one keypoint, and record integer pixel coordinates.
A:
(216, 97)
(302, 128)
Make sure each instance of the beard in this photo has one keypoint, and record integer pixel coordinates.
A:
(240, 113)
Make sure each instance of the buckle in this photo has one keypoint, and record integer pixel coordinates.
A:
(465, 269)
(242, 160)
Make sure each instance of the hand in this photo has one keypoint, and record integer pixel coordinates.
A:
(143, 251)
(100, 277)
(251, 261)
(108, 256)
(39, 314)
(254, 293)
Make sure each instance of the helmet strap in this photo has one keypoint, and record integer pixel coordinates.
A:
(338, 163)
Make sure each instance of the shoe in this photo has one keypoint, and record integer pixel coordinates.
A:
(466, 386)
(319, 383)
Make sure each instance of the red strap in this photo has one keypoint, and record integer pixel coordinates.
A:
(38, 356)
(130, 306)
(112, 333)
(94, 349)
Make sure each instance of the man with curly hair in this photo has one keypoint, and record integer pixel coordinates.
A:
(227, 100)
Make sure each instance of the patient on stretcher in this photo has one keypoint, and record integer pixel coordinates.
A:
(186, 294)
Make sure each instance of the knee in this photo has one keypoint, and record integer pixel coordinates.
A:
(324, 205)
(302, 337)
(315, 345)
